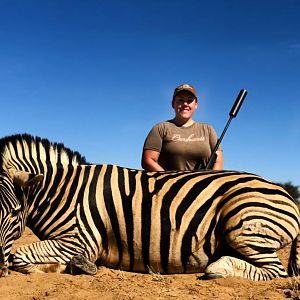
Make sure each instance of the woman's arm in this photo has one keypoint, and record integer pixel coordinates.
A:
(219, 164)
(149, 161)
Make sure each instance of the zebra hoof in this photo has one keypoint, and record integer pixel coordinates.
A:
(213, 276)
(81, 265)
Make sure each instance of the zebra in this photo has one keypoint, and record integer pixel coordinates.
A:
(220, 223)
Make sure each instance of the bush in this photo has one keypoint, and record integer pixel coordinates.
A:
(293, 190)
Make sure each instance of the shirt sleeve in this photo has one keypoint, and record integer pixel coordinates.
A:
(213, 139)
(154, 139)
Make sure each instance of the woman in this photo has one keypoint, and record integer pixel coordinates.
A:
(181, 143)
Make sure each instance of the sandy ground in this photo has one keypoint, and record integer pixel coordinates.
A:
(115, 284)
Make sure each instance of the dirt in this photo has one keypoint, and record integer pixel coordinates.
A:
(116, 284)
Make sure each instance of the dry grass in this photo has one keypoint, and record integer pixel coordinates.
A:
(156, 276)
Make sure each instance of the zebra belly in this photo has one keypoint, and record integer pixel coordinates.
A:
(195, 264)
(153, 260)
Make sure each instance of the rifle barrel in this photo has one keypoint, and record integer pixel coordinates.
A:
(233, 113)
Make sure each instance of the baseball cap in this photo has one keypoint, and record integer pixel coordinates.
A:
(185, 87)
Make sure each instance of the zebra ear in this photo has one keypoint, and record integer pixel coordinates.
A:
(25, 179)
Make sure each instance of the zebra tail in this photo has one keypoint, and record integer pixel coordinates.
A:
(294, 260)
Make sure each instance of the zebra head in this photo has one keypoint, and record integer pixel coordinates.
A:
(13, 209)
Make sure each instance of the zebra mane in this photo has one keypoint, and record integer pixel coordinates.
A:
(33, 141)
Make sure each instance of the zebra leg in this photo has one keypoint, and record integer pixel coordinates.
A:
(49, 256)
(41, 257)
(257, 243)
(294, 260)
(265, 266)
(256, 237)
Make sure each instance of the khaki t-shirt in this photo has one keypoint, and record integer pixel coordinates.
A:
(182, 148)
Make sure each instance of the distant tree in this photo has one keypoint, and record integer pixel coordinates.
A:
(293, 190)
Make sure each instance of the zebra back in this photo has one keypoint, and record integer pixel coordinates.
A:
(29, 153)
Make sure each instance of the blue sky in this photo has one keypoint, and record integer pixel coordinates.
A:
(97, 75)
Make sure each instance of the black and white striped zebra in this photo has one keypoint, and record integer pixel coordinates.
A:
(223, 223)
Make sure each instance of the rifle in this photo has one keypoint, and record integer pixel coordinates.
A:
(232, 114)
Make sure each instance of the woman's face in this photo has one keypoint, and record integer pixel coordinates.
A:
(184, 105)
